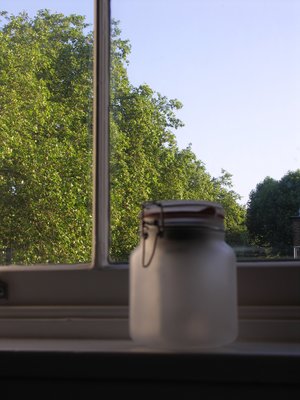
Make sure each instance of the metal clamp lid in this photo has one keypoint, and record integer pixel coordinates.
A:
(168, 213)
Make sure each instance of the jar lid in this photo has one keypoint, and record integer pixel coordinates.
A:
(183, 212)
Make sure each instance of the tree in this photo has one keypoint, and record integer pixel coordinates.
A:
(270, 207)
(45, 125)
(146, 163)
(46, 147)
(236, 232)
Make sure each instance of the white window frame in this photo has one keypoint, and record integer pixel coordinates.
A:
(92, 300)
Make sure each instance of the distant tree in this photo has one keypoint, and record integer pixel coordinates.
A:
(270, 207)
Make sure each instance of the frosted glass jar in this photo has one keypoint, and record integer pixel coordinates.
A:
(183, 290)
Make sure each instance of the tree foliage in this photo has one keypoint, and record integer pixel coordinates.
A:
(270, 207)
(46, 147)
(45, 153)
(146, 162)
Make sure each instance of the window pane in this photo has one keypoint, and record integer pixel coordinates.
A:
(46, 131)
(205, 98)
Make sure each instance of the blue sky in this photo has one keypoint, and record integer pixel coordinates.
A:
(82, 7)
(235, 66)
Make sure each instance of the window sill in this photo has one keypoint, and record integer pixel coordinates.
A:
(256, 323)
(84, 344)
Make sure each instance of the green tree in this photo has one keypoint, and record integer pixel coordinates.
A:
(46, 151)
(146, 162)
(236, 231)
(45, 136)
(270, 207)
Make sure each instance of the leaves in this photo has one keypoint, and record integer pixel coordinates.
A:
(46, 145)
(45, 129)
(270, 207)
(146, 162)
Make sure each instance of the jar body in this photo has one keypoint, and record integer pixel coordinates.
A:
(187, 296)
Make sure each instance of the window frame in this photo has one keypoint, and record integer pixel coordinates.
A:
(86, 282)
(92, 300)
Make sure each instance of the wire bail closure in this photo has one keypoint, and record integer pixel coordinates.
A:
(160, 231)
(185, 213)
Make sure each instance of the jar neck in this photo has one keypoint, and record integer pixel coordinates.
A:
(186, 233)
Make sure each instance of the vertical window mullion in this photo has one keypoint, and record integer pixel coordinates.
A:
(101, 132)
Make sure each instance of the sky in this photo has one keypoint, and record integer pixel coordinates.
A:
(234, 65)
(82, 7)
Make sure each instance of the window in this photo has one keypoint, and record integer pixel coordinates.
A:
(296, 252)
(46, 125)
(68, 300)
(222, 76)
(80, 290)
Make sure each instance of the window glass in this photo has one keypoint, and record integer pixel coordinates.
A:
(46, 99)
(205, 98)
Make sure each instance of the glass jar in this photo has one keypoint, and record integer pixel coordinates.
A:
(183, 291)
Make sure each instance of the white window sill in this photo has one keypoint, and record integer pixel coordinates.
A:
(91, 343)
(256, 323)
(95, 346)
(85, 342)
